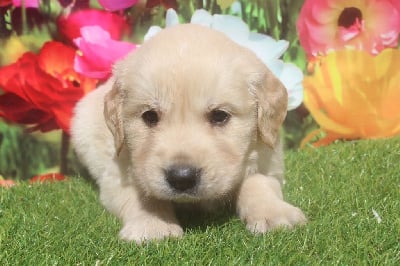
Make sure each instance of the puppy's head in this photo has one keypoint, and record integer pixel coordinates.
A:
(190, 106)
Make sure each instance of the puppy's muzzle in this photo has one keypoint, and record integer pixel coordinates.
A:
(183, 178)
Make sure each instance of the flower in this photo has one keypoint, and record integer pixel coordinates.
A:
(112, 5)
(15, 109)
(265, 47)
(26, 3)
(396, 4)
(353, 95)
(369, 25)
(42, 90)
(6, 183)
(4, 3)
(70, 26)
(98, 52)
(49, 177)
(18, 3)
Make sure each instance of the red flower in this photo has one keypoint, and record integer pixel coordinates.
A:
(70, 26)
(6, 3)
(41, 90)
(15, 109)
(51, 177)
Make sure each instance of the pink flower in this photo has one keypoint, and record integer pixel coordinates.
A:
(70, 26)
(27, 3)
(396, 4)
(370, 25)
(113, 5)
(98, 52)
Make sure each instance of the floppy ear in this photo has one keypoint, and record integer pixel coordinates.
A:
(113, 116)
(272, 100)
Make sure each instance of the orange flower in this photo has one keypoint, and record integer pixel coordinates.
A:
(354, 95)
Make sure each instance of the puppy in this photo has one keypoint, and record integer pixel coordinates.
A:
(189, 117)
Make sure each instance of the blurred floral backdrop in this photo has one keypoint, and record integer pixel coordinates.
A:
(339, 60)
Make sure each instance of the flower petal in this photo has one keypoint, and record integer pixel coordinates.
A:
(99, 52)
(202, 17)
(7, 183)
(112, 5)
(50, 177)
(232, 26)
(266, 47)
(70, 26)
(171, 18)
(152, 32)
(353, 94)
(292, 78)
(26, 3)
(369, 25)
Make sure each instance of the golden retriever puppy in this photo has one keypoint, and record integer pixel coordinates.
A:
(189, 117)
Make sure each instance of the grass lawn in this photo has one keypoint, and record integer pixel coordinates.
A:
(349, 191)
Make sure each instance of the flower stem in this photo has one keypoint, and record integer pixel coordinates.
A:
(4, 32)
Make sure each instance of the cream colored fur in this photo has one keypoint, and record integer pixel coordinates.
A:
(184, 73)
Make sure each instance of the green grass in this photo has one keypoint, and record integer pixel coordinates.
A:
(338, 187)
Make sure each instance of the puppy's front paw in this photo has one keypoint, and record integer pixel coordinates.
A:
(150, 228)
(279, 213)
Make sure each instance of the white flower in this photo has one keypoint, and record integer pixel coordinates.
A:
(267, 49)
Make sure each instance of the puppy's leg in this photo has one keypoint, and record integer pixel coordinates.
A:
(143, 218)
(153, 220)
(261, 206)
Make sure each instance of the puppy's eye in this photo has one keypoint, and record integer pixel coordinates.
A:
(218, 117)
(150, 118)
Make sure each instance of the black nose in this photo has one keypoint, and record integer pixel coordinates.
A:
(182, 177)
